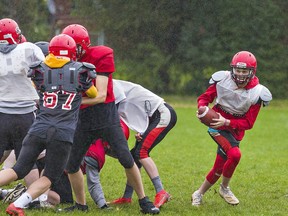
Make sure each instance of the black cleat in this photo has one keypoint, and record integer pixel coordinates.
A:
(147, 207)
(106, 207)
(77, 206)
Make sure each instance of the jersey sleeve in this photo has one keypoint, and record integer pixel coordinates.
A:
(208, 96)
(104, 59)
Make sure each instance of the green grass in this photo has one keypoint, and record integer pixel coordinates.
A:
(186, 155)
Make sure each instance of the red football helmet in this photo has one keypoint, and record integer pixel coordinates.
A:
(81, 36)
(23, 39)
(63, 45)
(243, 60)
(10, 32)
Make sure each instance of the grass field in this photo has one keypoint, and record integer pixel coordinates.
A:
(186, 155)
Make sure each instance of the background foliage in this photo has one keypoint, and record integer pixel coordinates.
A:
(174, 46)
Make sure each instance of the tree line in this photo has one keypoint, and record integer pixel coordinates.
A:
(173, 47)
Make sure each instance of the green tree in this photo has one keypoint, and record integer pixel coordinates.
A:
(31, 16)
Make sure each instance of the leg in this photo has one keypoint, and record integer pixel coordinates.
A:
(7, 176)
(211, 178)
(77, 183)
(234, 156)
(116, 139)
(161, 122)
(93, 182)
(82, 141)
(228, 148)
(93, 163)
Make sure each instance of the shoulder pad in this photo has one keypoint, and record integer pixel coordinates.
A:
(35, 64)
(265, 96)
(218, 76)
(104, 49)
(91, 73)
(88, 65)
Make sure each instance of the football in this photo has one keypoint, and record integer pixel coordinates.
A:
(205, 115)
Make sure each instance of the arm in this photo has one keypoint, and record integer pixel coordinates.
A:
(101, 84)
(208, 96)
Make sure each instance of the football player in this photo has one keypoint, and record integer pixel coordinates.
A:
(151, 118)
(238, 98)
(100, 119)
(60, 82)
(17, 95)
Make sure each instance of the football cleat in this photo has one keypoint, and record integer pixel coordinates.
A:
(228, 196)
(197, 198)
(147, 207)
(15, 193)
(106, 207)
(78, 207)
(14, 211)
(161, 198)
(121, 200)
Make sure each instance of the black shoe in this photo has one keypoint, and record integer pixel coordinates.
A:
(106, 207)
(77, 206)
(147, 207)
(34, 205)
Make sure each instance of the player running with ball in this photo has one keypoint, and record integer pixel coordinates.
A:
(238, 98)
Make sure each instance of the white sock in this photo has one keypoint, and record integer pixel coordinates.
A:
(43, 197)
(23, 200)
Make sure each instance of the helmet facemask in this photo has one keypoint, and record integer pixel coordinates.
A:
(80, 51)
(242, 76)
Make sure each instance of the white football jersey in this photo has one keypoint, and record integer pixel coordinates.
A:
(16, 88)
(135, 104)
(233, 99)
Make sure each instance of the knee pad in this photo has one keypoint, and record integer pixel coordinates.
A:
(126, 160)
(234, 154)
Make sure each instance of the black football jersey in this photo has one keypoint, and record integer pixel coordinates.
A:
(60, 91)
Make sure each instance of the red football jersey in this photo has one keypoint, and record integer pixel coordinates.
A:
(102, 58)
